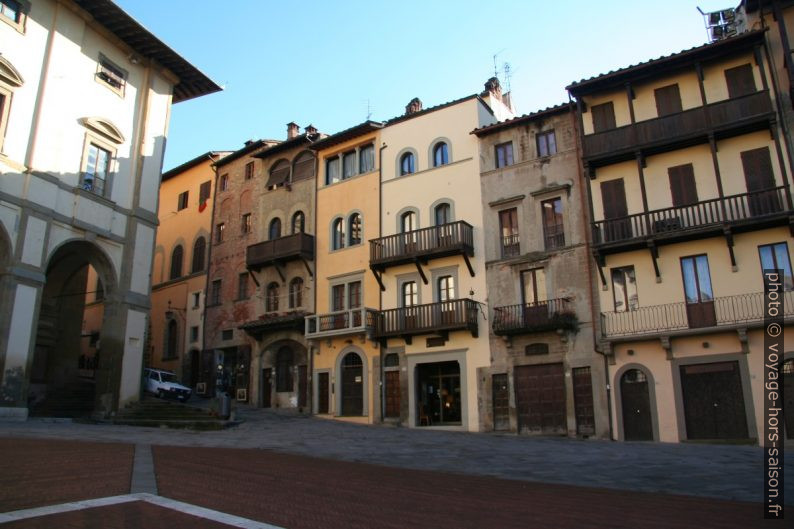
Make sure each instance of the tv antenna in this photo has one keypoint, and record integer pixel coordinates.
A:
(495, 67)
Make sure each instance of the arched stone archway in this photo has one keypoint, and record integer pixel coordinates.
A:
(284, 375)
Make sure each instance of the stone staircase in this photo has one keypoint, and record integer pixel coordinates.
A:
(152, 412)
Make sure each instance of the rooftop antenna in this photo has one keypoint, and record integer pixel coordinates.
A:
(369, 110)
(495, 68)
(508, 73)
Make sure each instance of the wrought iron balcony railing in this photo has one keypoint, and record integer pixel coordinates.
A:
(658, 319)
(427, 243)
(352, 321)
(290, 247)
(457, 314)
(540, 316)
(706, 214)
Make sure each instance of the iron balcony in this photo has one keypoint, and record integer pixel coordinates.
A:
(540, 316)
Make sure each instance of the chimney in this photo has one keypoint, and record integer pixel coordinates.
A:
(493, 87)
(292, 130)
(309, 130)
(413, 107)
(248, 142)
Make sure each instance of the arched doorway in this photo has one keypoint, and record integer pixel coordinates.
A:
(352, 385)
(636, 406)
(74, 342)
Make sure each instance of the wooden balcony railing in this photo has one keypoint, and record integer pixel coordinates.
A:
(658, 319)
(457, 314)
(745, 207)
(352, 321)
(683, 125)
(266, 253)
(426, 243)
(540, 316)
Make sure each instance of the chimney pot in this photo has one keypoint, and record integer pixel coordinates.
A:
(292, 130)
(492, 86)
(310, 130)
(414, 106)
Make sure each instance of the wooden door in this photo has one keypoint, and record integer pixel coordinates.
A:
(267, 387)
(392, 393)
(352, 385)
(636, 406)
(322, 392)
(760, 180)
(540, 399)
(583, 400)
(613, 195)
(713, 401)
(303, 385)
(501, 402)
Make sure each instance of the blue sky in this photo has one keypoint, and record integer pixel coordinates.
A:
(332, 63)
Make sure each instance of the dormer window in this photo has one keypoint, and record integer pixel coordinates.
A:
(111, 75)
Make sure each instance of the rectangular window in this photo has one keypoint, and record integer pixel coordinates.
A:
(215, 292)
(246, 225)
(204, 191)
(196, 299)
(547, 143)
(348, 165)
(508, 227)
(668, 100)
(12, 10)
(603, 116)
(504, 154)
(97, 169)
(354, 295)
(194, 333)
(775, 257)
(219, 229)
(227, 334)
(332, 174)
(111, 75)
(242, 286)
(366, 159)
(624, 289)
(224, 185)
(446, 288)
(182, 202)
(697, 279)
(249, 170)
(553, 230)
(682, 185)
(410, 294)
(533, 286)
(740, 80)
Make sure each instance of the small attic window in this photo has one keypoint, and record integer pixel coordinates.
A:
(111, 75)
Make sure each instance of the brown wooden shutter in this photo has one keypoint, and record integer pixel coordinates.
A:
(603, 116)
(682, 185)
(757, 166)
(304, 167)
(613, 195)
(668, 100)
(740, 80)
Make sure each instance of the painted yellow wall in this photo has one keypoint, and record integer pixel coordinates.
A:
(714, 76)
(657, 179)
(631, 182)
(730, 160)
(619, 102)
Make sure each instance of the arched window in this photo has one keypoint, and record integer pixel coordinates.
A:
(355, 229)
(407, 163)
(303, 167)
(198, 255)
(279, 174)
(284, 360)
(176, 262)
(408, 221)
(274, 232)
(391, 360)
(172, 339)
(296, 293)
(338, 234)
(298, 222)
(440, 154)
(271, 298)
(443, 214)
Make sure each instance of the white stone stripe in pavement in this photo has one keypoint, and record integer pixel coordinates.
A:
(186, 508)
(143, 478)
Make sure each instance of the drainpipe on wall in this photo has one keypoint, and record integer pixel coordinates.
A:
(382, 388)
(587, 234)
(207, 282)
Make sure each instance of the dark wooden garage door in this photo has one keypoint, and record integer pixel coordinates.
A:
(713, 401)
(540, 399)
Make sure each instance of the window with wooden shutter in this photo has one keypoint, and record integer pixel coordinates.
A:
(303, 167)
(760, 180)
(204, 191)
(740, 80)
(603, 116)
(682, 185)
(668, 100)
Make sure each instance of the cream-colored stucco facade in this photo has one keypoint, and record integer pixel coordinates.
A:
(689, 195)
(84, 122)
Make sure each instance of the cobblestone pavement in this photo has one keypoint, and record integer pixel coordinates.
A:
(717, 471)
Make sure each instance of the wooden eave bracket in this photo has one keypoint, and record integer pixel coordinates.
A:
(600, 264)
(251, 273)
(729, 242)
(308, 268)
(409, 339)
(421, 271)
(378, 278)
(468, 264)
(654, 258)
(280, 270)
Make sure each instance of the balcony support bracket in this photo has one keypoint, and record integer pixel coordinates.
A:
(421, 271)
(600, 264)
(251, 273)
(408, 339)
(729, 241)
(468, 264)
(743, 340)
(280, 270)
(654, 258)
(791, 225)
(308, 268)
(667, 346)
(379, 279)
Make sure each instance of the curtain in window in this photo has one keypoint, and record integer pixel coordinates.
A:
(366, 159)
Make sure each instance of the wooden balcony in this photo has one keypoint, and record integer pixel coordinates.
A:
(430, 318)
(353, 321)
(549, 315)
(705, 218)
(676, 130)
(655, 320)
(281, 250)
(455, 238)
